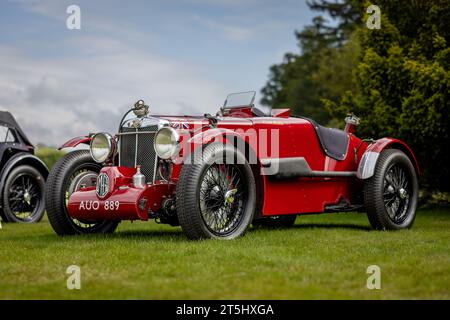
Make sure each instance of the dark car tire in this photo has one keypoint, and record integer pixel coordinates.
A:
(62, 175)
(195, 187)
(2, 216)
(387, 190)
(284, 221)
(13, 194)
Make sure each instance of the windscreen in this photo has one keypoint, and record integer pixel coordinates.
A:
(240, 99)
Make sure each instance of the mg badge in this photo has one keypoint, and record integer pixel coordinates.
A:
(102, 188)
(135, 124)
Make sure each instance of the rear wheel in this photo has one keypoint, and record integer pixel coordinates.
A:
(390, 195)
(72, 172)
(216, 194)
(23, 195)
(275, 222)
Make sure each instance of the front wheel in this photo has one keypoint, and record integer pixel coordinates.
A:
(216, 194)
(390, 195)
(72, 172)
(23, 195)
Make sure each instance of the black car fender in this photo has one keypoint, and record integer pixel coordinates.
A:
(21, 158)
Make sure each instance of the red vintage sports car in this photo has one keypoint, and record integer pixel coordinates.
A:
(215, 175)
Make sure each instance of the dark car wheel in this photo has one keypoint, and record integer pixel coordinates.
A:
(285, 221)
(390, 195)
(23, 195)
(2, 215)
(74, 170)
(216, 195)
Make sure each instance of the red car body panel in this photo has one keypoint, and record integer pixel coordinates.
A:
(123, 201)
(74, 142)
(296, 138)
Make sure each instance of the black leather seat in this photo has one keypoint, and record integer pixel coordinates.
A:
(334, 142)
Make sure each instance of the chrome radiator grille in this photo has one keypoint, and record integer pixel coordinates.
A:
(136, 148)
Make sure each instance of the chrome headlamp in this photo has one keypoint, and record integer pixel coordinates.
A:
(167, 143)
(102, 147)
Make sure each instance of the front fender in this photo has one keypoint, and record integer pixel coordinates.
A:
(366, 167)
(72, 143)
(211, 135)
(245, 143)
(22, 159)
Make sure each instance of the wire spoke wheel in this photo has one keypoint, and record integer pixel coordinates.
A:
(25, 197)
(216, 194)
(396, 193)
(390, 195)
(222, 197)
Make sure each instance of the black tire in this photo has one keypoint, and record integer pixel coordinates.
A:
(2, 216)
(24, 195)
(197, 185)
(284, 221)
(62, 176)
(390, 195)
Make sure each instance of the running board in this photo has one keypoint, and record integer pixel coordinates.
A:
(343, 208)
(287, 168)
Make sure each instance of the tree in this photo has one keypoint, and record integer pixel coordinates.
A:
(297, 81)
(403, 83)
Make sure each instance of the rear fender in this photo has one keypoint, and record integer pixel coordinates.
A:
(72, 143)
(370, 157)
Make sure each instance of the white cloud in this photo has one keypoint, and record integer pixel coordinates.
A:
(231, 30)
(48, 8)
(236, 33)
(89, 88)
(64, 83)
(56, 99)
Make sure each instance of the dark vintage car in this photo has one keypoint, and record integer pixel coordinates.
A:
(215, 175)
(22, 175)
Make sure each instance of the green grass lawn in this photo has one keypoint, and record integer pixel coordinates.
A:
(322, 257)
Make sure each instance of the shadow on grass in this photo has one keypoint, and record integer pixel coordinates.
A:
(177, 234)
(142, 235)
(347, 226)
(332, 226)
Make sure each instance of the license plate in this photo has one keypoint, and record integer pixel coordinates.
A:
(96, 205)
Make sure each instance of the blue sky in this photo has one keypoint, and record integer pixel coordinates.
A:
(180, 56)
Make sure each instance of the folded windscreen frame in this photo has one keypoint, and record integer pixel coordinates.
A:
(6, 118)
(240, 99)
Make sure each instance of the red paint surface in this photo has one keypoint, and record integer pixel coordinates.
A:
(72, 143)
(123, 191)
